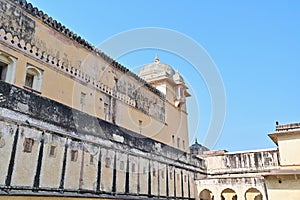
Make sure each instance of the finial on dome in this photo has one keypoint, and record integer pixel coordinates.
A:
(156, 58)
(196, 142)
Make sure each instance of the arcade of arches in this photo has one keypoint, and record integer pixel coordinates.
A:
(230, 194)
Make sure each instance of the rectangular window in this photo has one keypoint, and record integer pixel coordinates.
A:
(52, 151)
(107, 162)
(82, 100)
(162, 174)
(100, 103)
(183, 144)
(140, 126)
(28, 143)
(153, 173)
(106, 111)
(3, 70)
(116, 84)
(106, 108)
(144, 170)
(173, 140)
(91, 159)
(178, 142)
(33, 78)
(74, 155)
(29, 80)
(171, 175)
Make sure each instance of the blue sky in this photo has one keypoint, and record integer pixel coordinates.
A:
(255, 45)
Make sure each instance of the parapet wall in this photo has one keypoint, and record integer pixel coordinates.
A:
(243, 162)
(49, 148)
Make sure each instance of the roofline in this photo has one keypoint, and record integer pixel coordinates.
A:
(54, 24)
(253, 151)
(274, 136)
(168, 79)
(286, 127)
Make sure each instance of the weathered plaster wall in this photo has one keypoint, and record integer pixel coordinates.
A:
(72, 176)
(283, 187)
(150, 127)
(192, 185)
(144, 99)
(89, 168)
(6, 142)
(133, 174)
(289, 143)
(71, 55)
(52, 167)
(177, 127)
(121, 172)
(52, 124)
(143, 175)
(178, 185)
(107, 169)
(171, 181)
(185, 185)
(154, 178)
(16, 22)
(27, 162)
(72, 66)
(162, 179)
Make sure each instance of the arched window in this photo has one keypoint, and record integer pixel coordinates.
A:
(7, 68)
(206, 195)
(253, 194)
(33, 78)
(228, 194)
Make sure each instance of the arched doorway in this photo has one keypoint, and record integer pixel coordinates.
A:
(228, 194)
(253, 194)
(206, 195)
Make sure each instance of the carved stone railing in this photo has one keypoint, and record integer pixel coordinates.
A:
(243, 162)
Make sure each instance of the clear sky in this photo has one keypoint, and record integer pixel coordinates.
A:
(255, 45)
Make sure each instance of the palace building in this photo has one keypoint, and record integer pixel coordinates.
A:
(75, 123)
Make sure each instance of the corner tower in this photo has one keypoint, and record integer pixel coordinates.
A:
(163, 77)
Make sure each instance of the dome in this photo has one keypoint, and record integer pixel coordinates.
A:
(156, 70)
(197, 149)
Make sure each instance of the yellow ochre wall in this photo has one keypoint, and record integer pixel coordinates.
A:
(66, 55)
(288, 145)
(283, 187)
